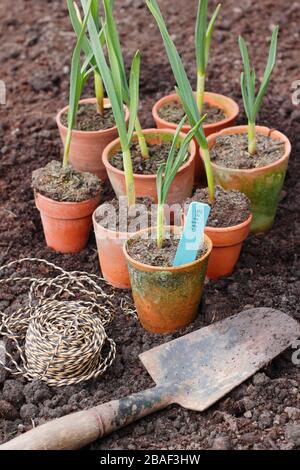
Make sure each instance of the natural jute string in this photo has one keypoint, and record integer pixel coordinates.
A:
(59, 335)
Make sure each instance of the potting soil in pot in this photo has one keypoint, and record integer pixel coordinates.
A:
(147, 252)
(231, 151)
(126, 216)
(174, 112)
(88, 119)
(158, 154)
(65, 184)
(230, 207)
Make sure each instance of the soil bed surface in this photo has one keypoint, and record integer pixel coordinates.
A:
(88, 119)
(158, 154)
(232, 151)
(229, 207)
(262, 413)
(174, 112)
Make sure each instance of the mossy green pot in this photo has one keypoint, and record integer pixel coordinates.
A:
(166, 298)
(262, 185)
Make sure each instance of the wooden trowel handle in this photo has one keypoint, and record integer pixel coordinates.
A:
(80, 429)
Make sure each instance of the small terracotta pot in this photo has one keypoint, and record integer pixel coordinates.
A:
(262, 185)
(66, 225)
(145, 185)
(87, 146)
(230, 108)
(227, 244)
(167, 299)
(111, 257)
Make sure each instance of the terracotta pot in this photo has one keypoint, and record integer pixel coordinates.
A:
(87, 146)
(167, 299)
(66, 225)
(262, 185)
(111, 257)
(230, 108)
(227, 244)
(145, 185)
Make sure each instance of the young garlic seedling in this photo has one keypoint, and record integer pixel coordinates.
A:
(116, 60)
(253, 103)
(76, 21)
(185, 93)
(78, 78)
(167, 172)
(203, 35)
(113, 85)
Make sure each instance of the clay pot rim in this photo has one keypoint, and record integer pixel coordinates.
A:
(88, 133)
(172, 269)
(111, 232)
(108, 148)
(66, 203)
(207, 94)
(231, 228)
(260, 130)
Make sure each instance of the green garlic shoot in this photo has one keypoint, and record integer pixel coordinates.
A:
(116, 61)
(167, 172)
(76, 21)
(113, 85)
(185, 93)
(78, 77)
(252, 103)
(203, 35)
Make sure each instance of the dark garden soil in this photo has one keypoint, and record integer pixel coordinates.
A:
(229, 207)
(65, 184)
(147, 251)
(174, 112)
(158, 154)
(35, 51)
(88, 119)
(232, 151)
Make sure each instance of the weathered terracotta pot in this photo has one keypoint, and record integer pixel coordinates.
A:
(227, 245)
(262, 185)
(229, 106)
(145, 185)
(111, 257)
(167, 299)
(66, 225)
(87, 146)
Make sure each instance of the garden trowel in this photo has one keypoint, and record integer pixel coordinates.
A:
(193, 371)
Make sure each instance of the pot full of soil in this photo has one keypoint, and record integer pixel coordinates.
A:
(166, 298)
(228, 226)
(92, 133)
(145, 170)
(114, 223)
(221, 111)
(260, 176)
(66, 199)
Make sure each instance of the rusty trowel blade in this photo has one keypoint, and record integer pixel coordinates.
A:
(203, 366)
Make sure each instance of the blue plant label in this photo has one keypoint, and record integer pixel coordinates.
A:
(192, 237)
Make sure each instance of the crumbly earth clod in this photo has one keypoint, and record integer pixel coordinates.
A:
(65, 184)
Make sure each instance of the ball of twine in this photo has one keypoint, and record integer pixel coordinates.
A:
(64, 343)
(60, 340)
